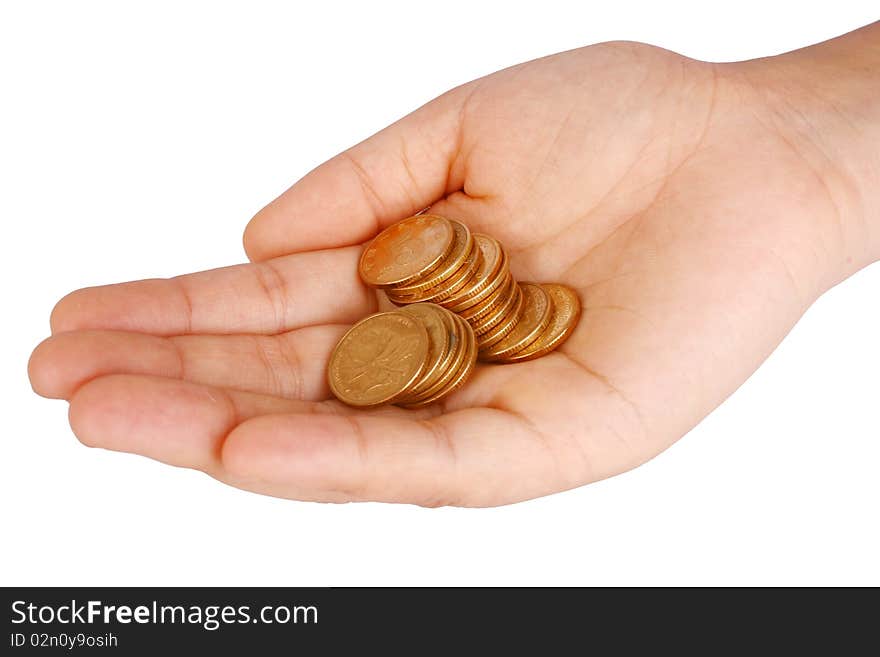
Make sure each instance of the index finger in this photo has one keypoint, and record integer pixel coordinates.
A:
(391, 175)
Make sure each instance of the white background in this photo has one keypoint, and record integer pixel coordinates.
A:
(136, 140)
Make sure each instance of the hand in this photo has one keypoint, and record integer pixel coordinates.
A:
(696, 224)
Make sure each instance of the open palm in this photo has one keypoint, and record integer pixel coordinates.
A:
(661, 188)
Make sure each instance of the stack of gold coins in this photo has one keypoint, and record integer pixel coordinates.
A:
(427, 258)
(411, 357)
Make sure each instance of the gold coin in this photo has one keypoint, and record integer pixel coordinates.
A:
(432, 293)
(501, 293)
(461, 248)
(440, 332)
(564, 318)
(378, 358)
(449, 286)
(449, 373)
(461, 352)
(507, 323)
(461, 278)
(463, 373)
(406, 250)
(511, 297)
(492, 255)
(495, 279)
(536, 311)
(448, 363)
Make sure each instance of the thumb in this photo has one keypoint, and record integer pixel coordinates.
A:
(391, 175)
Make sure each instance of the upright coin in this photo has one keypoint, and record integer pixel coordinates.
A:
(378, 358)
(488, 278)
(451, 369)
(460, 375)
(440, 334)
(407, 250)
(536, 313)
(490, 259)
(511, 300)
(565, 315)
(500, 294)
(487, 338)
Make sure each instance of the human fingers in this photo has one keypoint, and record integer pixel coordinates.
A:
(176, 422)
(291, 365)
(391, 175)
(269, 297)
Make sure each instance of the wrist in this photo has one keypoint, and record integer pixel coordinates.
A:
(825, 102)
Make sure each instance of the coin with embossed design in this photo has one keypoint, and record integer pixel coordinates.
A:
(378, 358)
(498, 296)
(459, 374)
(459, 288)
(476, 289)
(536, 313)
(440, 339)
(435, 390)
(512, 297)
(505, 325)
(564, 318)
(445, 289)
(462, 244)
(406, 250)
